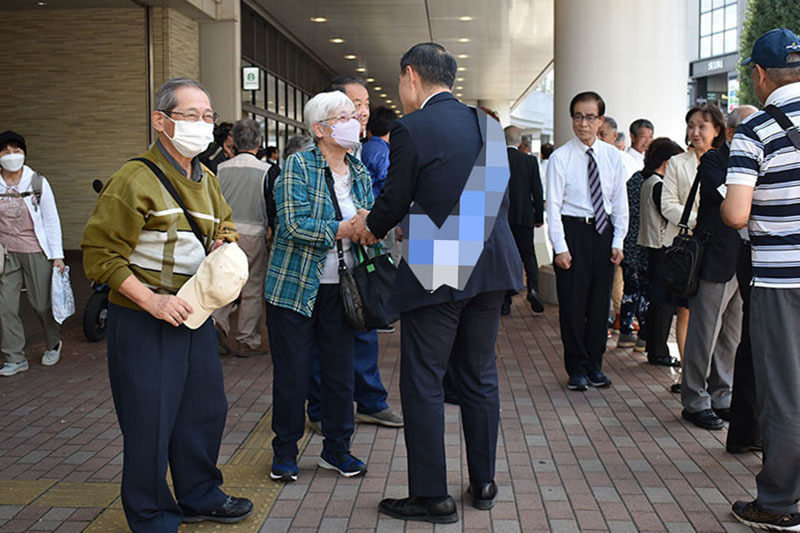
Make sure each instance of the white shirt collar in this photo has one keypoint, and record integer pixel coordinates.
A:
(781, 94)
(512, 146)
(579, 145)
(431, 96)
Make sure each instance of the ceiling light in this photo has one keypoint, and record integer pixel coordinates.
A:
(463, 40)
(319, 19)
(361, 69)
(393, 106)
(464, 19)
(459, 95)
(462, 56)
(370, 80)
(337, 40)
(462, 69)
(459, 79)
(350, 56)
(378, 88)
(388, 101)
(41, 4)
(384, 95)
(459, 88)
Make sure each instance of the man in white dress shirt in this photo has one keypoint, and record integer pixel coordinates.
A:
(587, 207)
(641, 131)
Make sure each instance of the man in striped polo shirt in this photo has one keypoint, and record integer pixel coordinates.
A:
(763, 187)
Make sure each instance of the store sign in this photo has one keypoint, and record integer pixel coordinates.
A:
(715, 64)
(251, 78)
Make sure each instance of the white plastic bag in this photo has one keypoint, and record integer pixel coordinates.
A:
(61, 295)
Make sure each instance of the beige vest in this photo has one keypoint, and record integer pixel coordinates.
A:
(651, 224)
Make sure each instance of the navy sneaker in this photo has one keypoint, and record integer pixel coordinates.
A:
(344, 463)
(284, 468)
(598, 379)
(577, 383)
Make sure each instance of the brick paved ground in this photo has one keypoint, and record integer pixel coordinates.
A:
(618, 459)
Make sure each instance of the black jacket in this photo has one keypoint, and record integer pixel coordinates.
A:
(722, 249)
(432, 154)
(526, 206)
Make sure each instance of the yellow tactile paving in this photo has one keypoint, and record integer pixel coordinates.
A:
(18, 492)
(109, 521)
(80, 495)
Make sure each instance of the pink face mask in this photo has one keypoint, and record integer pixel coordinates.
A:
(346, 134)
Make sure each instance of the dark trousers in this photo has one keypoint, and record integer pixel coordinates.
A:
(292, 339)
(659, 313)
(462, 334)
(368, 390)
(170, 401)
(634, 300)
(584, 291)
(743, 429)
(523, 236)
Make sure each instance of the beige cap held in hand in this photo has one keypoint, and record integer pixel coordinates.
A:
(218, 281)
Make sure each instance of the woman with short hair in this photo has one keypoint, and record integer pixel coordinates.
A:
(30, 232)
(304, 306)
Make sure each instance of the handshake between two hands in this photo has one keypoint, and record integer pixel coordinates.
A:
(356, 230)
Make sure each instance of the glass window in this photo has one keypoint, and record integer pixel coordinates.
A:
(705, 46)
(262, 123)
(281, 98)
(272, 133)
(272, 96)
(731, 17)
(705, 24)
(290, 102)
(259, 100)
(281, 136)
(718, 3)
(717, 44)
(731, 41)
(718, 20)
(705, 5)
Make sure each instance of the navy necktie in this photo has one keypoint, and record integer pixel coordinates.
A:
(596, 193)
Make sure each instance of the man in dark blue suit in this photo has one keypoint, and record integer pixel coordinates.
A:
(447, 182)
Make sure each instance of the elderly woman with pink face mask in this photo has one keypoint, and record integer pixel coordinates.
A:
(304, 307)
(30, 235)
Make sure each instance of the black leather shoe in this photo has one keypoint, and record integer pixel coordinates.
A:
(506, 308)
(705, 419)
(232, 511)
(536, 304)
(676, 388)
(434, 510)
(664, 360)
(483, 495)
(724, 414)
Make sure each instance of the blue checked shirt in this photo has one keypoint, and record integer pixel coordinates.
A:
(306, 228)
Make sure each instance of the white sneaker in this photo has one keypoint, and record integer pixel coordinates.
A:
(9, 369)
(51, 357)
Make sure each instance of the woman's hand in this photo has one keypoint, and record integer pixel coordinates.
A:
(347, 229)
(60, 265)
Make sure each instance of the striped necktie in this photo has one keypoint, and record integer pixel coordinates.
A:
(596, 192)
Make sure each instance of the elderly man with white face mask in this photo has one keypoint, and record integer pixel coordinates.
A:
(166, 377)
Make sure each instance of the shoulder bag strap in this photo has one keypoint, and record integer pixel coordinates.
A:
(338, 211)
(784, 122)
(687, 209)
(175, 196)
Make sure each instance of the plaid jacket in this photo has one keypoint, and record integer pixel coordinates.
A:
(306, 228)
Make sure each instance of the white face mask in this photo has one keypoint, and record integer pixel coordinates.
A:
(346, 134)
(191, 138)
(12, 162)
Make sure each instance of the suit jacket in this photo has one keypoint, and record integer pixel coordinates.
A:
(432, 154)
(722, 250)
(526, 206)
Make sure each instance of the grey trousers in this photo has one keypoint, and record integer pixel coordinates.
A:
(775, 330)
(35, 270)
(715, 326)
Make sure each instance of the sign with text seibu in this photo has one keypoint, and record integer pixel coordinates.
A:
(251, 78)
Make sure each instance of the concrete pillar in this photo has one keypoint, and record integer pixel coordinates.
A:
(221, 60)
(634, 54)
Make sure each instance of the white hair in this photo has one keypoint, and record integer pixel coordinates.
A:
(735, 117)
(326, 105)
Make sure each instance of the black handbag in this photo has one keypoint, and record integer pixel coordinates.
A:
(375, 276)
(348, 289)
(680, 271)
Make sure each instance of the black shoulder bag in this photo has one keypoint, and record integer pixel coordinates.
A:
(175, 196)
(681, 261)
(348, 289)
(784, 122)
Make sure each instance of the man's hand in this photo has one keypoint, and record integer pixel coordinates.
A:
(216, 245)
(564, 260)
(616, 256)
(398, 234)
(168, 308)
(347, 228)
(362, 234)
(60, 265)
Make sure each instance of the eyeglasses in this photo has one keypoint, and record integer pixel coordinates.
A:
(194, 116)
(578, 118)
(340, 118)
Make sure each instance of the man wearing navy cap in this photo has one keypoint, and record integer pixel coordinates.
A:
(763, 187)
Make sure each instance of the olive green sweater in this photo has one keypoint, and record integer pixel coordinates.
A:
(137, 228)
